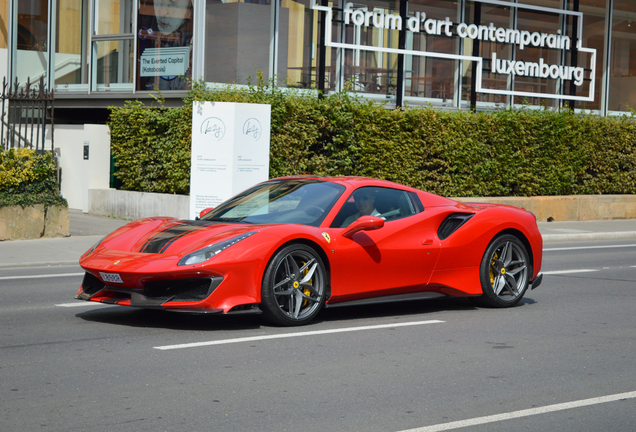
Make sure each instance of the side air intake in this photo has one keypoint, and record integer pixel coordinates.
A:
(452, 224)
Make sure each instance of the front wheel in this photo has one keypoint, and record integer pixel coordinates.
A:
(504, 272)
(294, 286)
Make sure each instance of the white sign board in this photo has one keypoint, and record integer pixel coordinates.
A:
(230, 151)
(164, 61)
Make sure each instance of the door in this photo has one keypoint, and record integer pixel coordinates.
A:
(397, 258)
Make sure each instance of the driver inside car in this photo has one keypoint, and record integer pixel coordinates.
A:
(365, 203)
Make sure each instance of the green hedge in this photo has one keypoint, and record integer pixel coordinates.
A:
(28, 178)
(458, 153)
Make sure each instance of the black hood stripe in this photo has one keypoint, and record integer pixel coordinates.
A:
(163, 239)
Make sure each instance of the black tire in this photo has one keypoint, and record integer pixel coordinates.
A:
(294, 286)
(504, 272)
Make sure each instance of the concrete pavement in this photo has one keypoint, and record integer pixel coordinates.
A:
(87, 229)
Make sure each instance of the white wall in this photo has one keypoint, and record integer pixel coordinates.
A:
(79, 175)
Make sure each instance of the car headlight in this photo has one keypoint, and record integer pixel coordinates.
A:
(209, 251)
(95, 246)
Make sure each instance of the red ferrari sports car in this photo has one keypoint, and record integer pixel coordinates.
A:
(289, 246)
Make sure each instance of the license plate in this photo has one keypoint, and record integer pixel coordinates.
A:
(111, 277)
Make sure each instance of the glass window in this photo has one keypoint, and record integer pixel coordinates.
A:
(70, 46)
(112, 69)
(237, 40)
(4, 22)
(113, 46)
(541, 23)
(622, 81)
(164, 44)
(31, 59)
(376, 25)
(385, 203)
(113, 17)
(593, 37)
(298, 49)
(428, 77)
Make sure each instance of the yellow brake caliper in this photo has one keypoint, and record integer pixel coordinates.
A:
(492, 274)
(306, 290)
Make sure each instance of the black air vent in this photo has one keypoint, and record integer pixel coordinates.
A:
(91, 284)
(452, 223)
(179, 289)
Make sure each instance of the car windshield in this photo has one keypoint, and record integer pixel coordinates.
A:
(297, 201)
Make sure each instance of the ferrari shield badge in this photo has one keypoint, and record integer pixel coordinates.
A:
(326, 236)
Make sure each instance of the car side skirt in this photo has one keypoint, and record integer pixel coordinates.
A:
(388, 299)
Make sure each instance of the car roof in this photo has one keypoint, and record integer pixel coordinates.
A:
(356, 181)
(352, 180)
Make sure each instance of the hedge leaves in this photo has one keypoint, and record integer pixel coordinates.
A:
(458, 153)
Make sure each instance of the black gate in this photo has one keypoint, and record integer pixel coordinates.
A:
(25, 113)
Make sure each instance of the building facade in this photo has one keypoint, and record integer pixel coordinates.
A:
(453, 54)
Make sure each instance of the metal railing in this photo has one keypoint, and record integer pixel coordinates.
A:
(26, 111)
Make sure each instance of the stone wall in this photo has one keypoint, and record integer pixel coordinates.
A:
(32, 222)
(135, 205)
(571, 207)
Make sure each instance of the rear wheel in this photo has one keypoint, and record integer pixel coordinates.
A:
(504, 272)
(294, 286)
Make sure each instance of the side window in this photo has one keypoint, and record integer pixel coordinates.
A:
(416, 202)
(389, 204)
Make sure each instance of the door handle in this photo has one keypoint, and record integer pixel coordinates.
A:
(427, 242)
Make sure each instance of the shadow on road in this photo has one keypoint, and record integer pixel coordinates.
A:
(148, 318)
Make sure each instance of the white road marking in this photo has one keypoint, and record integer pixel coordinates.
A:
(588, 247)
(81, 303)
(41, 276)
(523, 413)
(568, 230)
(299, 334)
(569, 271)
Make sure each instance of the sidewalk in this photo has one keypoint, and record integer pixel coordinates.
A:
(86, 230)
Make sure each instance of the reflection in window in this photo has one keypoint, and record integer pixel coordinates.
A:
(237, 40)
(541, 22)
(622, 82)
(369, 71)
(113, 17)
(112, 57)
(70, 53)
(298, 49)
(593, 37)
(113, 65)
(429, 77)
(4, 13)
(31, 48)
(164, 44)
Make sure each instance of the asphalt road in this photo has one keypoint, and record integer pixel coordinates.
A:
(564, 360)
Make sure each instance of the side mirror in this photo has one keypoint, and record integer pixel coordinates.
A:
(205, 211)
(364, 223)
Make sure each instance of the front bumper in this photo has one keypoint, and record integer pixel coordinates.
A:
(159, 293)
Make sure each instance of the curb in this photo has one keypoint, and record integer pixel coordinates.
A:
(41, 264)
(548, 238)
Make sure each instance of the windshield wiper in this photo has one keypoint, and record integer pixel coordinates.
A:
(229, 220)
